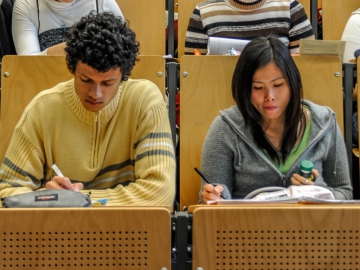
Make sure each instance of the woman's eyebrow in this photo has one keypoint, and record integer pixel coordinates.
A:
(270, 81)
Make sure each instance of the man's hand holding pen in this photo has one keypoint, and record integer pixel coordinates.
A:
(61, 182)
(211, 192)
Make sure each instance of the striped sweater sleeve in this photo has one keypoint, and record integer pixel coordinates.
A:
(196, 37)
(300, 27)
(15, 172)
(154, 163)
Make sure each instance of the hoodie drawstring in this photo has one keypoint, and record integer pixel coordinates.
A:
(335, 135)
(238, 149)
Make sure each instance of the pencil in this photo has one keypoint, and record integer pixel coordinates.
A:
(205, 179)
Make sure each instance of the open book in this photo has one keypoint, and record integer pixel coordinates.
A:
(289, 200)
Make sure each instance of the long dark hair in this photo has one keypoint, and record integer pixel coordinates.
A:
(258, 53)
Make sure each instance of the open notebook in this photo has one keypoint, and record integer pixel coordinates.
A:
(306, 194)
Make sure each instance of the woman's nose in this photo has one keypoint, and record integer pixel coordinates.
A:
(269, 95)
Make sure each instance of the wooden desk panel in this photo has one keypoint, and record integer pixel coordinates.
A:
(321, 76)
(204, 91)
(276, 238)
(93, 238)
(147, 20)
(335, 14)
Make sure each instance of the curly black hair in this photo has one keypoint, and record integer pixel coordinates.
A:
(102, 41)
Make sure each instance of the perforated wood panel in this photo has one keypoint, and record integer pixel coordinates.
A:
(126, 238)
(275, 238)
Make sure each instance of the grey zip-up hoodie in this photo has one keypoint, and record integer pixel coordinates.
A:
(230, 156)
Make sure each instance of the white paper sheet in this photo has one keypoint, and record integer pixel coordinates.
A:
(220, 46)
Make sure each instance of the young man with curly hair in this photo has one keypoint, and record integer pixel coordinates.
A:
(108, 134)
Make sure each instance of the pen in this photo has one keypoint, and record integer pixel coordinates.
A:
(205, 179)
(56, 170)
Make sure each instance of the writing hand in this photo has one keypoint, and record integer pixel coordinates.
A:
(59, 182)
(210, 192)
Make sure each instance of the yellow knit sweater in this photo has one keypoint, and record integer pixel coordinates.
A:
(124, 152)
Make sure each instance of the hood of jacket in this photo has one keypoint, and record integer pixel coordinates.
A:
(321, 117)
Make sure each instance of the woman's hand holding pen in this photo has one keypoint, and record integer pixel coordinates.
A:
(61, 182)
(211, 192)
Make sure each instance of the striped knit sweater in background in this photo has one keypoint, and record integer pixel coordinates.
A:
(124, 152)
(247, 19)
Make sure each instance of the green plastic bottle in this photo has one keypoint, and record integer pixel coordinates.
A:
(305, 171)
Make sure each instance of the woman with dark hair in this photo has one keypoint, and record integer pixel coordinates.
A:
(261, 141)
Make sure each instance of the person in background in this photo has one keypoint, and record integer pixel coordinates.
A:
(107, 134)
(355, 126)
(6, 41)
(39, 26)
(351, 35)
(246, 19)
(261, 141)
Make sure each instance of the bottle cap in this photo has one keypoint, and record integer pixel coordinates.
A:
(306, 165)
